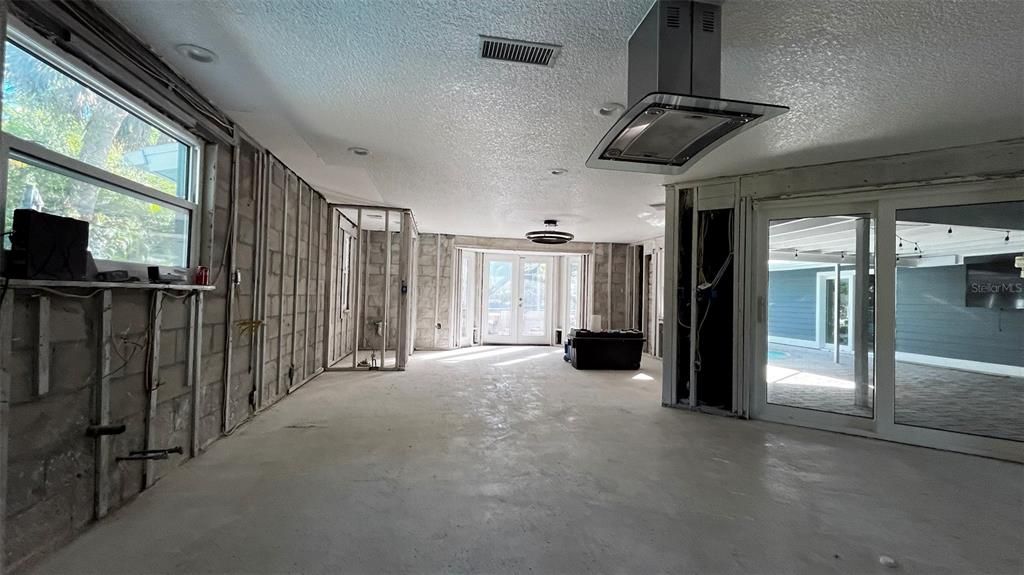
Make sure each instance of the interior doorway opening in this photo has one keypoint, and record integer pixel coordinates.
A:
(373, 286)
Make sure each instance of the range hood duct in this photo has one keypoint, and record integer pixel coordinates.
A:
(675, 116)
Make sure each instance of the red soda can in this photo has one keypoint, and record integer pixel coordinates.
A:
(202, 275)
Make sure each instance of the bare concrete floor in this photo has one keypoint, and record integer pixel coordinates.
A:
(506, 460)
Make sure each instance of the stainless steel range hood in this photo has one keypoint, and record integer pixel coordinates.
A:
(675, 116)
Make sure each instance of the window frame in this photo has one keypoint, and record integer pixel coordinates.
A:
(39, 156)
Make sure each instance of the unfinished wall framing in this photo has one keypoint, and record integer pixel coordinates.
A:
(373, 266)
(109, 387)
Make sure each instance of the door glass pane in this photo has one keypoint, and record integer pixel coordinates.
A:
(960, 319)
(499, 298)
(466, 302)
(534, 296)
(806, 256)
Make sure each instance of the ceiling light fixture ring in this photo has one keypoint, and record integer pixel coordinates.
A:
(549, 235)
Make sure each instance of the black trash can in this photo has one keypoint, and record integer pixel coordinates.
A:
(605, 349)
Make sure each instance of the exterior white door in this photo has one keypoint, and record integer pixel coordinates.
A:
(517, 293)
(534, 315)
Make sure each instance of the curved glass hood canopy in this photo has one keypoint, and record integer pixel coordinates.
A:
(668, 133)
(675, 115)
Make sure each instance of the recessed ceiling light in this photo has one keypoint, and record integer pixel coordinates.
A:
(197, 53)
(359, 151)
(609, 110)
(558, 171)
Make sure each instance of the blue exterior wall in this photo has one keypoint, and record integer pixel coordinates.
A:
(931, 318)
(792, 302)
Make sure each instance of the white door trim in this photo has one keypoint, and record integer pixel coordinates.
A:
(517, 279)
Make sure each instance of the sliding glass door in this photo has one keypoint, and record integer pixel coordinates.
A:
(518, 294)
(899, 317)
(817, 295)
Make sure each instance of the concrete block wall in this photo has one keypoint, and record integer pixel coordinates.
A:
(609, 284)
(47, 434)
(214, 320)
(50, 464)
(373, 253)
(435, 294)
(295, 281)
(435, 290)
(243, 362)
(276, 268)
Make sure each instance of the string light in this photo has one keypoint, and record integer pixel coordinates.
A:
(950, 230)
(1007, 238)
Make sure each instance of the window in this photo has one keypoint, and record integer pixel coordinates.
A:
(77, 150)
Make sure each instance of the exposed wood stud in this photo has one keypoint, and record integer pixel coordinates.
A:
(295, 283)
(153, 384)
(6, 322)
(358, 287)
(387, 289)
(101, 416)
(437, 284)
(309, 286)
(280, 292)
(333, 284)
(258, 334)
(232, 267)
(322, 261)
(194, 364)
(43, 347)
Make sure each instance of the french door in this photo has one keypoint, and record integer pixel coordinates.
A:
(517, 299)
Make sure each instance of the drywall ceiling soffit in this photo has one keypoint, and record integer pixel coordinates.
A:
(468, 144)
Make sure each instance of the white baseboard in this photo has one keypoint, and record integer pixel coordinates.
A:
(961, 364)
(793, 342)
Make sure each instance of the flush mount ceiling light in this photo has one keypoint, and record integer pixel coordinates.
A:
(359, 151)
(197, 53)
(549, 235)
(609, 110)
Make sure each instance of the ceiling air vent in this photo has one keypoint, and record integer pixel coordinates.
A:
(707, 21)
(672, 17)
(518, 51)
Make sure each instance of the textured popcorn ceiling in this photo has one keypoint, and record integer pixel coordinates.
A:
(467, 144)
